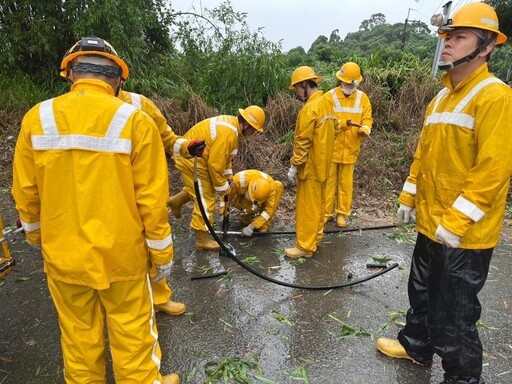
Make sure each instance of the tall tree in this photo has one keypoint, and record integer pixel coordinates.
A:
(35, 35)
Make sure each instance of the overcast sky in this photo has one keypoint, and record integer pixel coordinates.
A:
(300, 22)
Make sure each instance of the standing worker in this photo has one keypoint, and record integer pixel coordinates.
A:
(87, 198)
(313, 147)
(354, 112)
(214, 169)
(173, 145)
(458, 185)
(257, 196)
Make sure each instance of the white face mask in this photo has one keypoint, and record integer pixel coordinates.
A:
(348, 89)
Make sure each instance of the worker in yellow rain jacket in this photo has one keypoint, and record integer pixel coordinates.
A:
(174, 145)
(313, 147)
(214, 169)
(354, 112)
(458, 184)
(257, 196)
(87, 198)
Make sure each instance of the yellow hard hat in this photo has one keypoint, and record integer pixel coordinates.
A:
(254, 115)
(259, 190)
(93, 46)
(303, 73)
(350, 73)
(474, 15)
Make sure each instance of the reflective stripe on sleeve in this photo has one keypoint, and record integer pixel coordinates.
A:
(177, 146)
(159, 244)
(223, 187)
(30, 227)
(409, 188)
(468, 208)
(265, 215)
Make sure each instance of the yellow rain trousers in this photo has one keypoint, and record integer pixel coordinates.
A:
(340, 183)
(357, 108)
(98, 234)
(313, 146)
(461, 170)
(214, 168)
(127, 308)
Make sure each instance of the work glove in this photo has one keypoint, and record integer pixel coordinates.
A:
(364, 132)
(196, 147)
(406, 214)
(247, 231)
(292, 174)
(162, 271)
(446, 237)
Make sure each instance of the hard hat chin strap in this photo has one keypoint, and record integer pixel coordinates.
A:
(447, 65)
(443, 65)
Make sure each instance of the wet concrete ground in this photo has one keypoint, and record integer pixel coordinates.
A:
(290, 335)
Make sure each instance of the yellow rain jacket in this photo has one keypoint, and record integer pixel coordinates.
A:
(174, 144)
(462, 166)
(240, 199)
(90, 184)
(355, 107)
(221, 135)
(313, 144)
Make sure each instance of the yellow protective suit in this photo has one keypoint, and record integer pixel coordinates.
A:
(174, 145)
(357, 108)
(462, 166)
(262, 217)
(313, 147)
(90, 184)
(214, 169)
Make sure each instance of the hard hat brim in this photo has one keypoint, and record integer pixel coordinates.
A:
(125, 72)
(249, 120)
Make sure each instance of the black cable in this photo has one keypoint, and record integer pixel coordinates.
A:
(230, 252)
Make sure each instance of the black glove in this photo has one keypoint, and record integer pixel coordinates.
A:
(196, 147)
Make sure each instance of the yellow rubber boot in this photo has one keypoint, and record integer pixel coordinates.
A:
(176, 201)
(172, 308)
(203, 241)
(340, 221)
(173, 378)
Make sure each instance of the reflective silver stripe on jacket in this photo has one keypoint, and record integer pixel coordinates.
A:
(339, 108)
(159, 244)
(468, 208)
(214, 124)
(265, 215)
(136, 100)
(456, 117)
(409, 188)
(52, 140)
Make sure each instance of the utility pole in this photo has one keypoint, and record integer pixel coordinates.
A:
(440, 42)
(403, 33)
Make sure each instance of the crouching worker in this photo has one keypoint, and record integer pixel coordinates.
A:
(214, 169)
(257, 196)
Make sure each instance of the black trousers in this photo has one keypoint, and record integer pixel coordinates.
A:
(443, 286)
